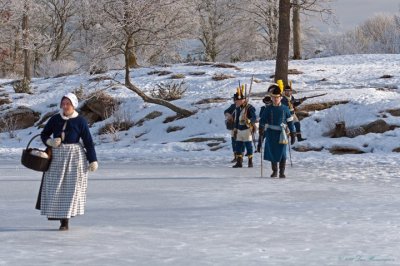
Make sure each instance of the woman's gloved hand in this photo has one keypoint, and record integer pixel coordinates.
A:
(54, 142)
(93, 166)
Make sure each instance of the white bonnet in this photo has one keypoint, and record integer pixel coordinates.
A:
(72, 97)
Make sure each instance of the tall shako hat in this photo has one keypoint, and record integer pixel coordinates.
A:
(274, 91)
(288, 88)
(240, 93)
(270, 89)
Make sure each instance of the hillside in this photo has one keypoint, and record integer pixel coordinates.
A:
(361, 88)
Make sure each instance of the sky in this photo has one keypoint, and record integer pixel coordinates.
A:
(351, 13)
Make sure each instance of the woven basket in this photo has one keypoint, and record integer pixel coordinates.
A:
(36, 159)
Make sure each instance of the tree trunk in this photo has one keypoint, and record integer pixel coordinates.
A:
(36, 62)
(212, 53)
(15, 51)
(25, 42)
(296, 31)
(58, 41)
(182, 112)
(131, 53)
(282, 58)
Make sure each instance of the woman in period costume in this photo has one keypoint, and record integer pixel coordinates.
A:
(64, 185)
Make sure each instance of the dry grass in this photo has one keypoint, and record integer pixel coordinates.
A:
(148, 117)
(169, 91)
(177, 76)
(337, 150)
(220, 76)
(159, 72)
(211, 100)
(224, 65)
(320, 106)
(174, 128)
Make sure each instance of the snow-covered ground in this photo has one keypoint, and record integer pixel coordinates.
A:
(355, 78)
(334, 213)
(156, 200)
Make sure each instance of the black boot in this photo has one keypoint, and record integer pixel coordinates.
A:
(250, 165)
(282, 166)
(299, 138)
(239, 162)
(234, 158)
(64, 224)
(274, 169)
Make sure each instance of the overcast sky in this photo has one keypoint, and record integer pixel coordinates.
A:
(350, 13)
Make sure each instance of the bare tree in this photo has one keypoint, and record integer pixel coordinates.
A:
(210, 25)
(379, 34)
(20, 35)
(25, 43)
(134, 25)
(320, 7)
(93, 44)
(215, 25)
(263, 14)
(59, 14)
(6, 52)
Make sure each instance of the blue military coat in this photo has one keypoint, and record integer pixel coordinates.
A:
(242, 121)
(274, 119)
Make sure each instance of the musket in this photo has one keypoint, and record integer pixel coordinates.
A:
(290, 155)
(247, 101)
(261, 153)
(251, 85)
(313, 96)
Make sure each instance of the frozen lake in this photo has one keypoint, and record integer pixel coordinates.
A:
(160, 214)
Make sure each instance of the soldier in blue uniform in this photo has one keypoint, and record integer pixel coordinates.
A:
(229, 114)
(244, 127)
(274, 122)
(267, 101)
(292, 103)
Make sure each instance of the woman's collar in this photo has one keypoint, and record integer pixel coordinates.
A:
(73, 115)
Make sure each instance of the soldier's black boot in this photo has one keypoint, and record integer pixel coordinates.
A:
(282, 166)
(234, 158)
(64, 224)
(239, 162)
(250, 165)
(274, 169)
(299, 137)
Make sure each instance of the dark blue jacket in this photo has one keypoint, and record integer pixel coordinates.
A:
(292, 104)
(230, 109)
(263, 108)
(77, 128)
(250, 115)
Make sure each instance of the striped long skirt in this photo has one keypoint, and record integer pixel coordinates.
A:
(65, 183)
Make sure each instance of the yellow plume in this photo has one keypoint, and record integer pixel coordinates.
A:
(280, 84)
